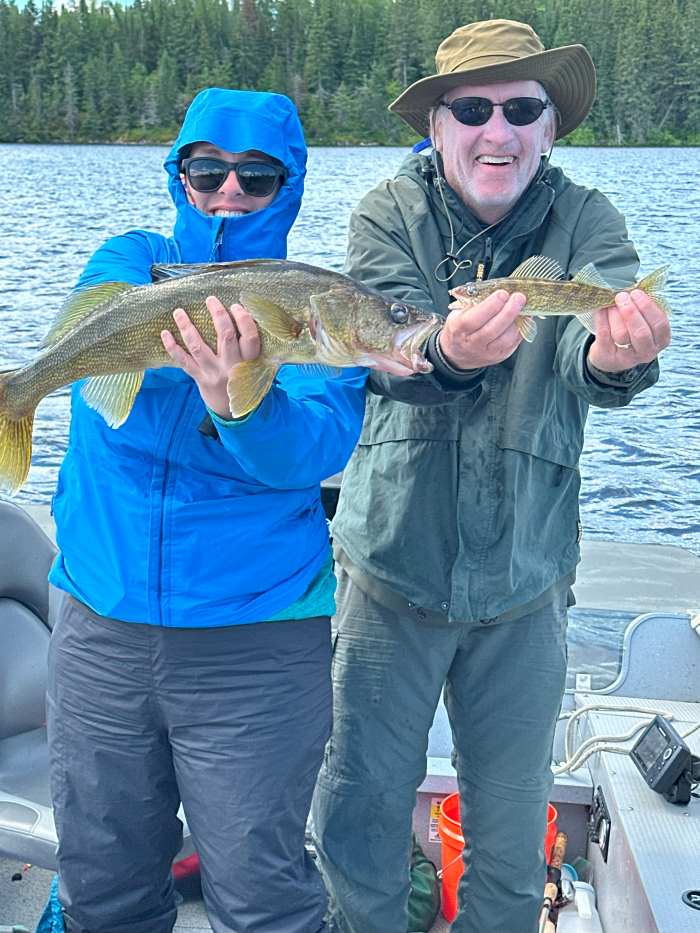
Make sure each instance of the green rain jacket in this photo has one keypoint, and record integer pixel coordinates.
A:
(460, 502)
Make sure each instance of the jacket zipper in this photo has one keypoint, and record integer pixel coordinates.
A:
(216, 245)
(482, 269)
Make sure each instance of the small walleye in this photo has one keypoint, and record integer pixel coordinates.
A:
(110, 333)
(542, 281)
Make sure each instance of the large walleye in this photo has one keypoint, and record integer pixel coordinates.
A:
(542, 281)
(111, 334)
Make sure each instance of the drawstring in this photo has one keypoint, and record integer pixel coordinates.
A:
(452, 255)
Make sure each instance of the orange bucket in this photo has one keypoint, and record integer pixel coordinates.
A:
(450, 832)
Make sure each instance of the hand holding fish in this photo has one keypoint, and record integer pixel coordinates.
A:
(630, 328)
(483, 334)
(237, 340)
(629, 333)
(111, 333)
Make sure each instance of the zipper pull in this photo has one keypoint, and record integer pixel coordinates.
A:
(482, 268)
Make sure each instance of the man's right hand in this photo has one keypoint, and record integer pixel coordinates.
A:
(483, 334)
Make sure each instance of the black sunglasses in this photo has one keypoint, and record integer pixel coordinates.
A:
(256, 178)
(475, 111)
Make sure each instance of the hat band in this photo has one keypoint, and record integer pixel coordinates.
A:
(490, 59)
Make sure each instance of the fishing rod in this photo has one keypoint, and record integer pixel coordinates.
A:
(552, 889)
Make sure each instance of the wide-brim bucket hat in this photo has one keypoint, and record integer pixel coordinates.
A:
(503, 50)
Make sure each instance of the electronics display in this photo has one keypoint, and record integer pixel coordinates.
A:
(665, 761)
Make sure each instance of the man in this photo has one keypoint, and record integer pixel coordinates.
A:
(190, 660)
(457, 527)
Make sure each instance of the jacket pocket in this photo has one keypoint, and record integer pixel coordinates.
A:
(396, 421)
(550, 442)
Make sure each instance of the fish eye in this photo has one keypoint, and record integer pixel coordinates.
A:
(472, 290)
(399, 313)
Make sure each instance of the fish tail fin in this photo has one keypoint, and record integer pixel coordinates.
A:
(653, 285)
(15, 444)
(248, 384)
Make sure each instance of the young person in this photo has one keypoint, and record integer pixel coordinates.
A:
(190, 658)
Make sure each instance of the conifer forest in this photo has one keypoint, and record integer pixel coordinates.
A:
(109, 72)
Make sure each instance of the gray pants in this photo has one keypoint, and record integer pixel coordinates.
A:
(232, 722)
(503, 688)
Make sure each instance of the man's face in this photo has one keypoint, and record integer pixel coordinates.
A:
(230, 200)
(490, 166)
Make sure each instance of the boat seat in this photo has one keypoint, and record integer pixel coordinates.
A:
(27, 830)
(26, 824)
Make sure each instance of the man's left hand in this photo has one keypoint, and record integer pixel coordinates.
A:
(237, 340)
(629, 333)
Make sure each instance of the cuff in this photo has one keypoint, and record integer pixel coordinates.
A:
(229, 422)
(625, 378)
(447, 373)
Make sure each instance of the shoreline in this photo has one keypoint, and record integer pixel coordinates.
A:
(167, 143)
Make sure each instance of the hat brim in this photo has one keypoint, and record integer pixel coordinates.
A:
(567, 75)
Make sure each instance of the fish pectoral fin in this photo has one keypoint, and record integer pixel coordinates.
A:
(588, 321)
(248, 384)
(275, 320)
(79, 305)
(527, 327)
(652, 284)
(589, 275)
(112, 396)
(538, 267)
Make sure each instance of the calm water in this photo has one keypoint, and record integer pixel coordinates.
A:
(641, 466)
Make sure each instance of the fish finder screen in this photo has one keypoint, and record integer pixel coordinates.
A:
(651, 746)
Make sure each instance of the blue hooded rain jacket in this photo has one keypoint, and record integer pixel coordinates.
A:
(157, 522)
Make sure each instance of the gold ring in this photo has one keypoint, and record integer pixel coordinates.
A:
(622, 346)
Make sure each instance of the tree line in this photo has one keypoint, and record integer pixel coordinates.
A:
(90, 72)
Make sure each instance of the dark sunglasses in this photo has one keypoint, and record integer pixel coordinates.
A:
(256, 178)
(475, 111)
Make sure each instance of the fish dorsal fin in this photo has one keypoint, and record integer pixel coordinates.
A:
(163, 272)
(112, 396)
(589, 275)
(248, 383)
(271, 317)
(527, 327)
(79, 305)
(538, 267)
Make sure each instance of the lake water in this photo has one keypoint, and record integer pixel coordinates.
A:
(641, 465)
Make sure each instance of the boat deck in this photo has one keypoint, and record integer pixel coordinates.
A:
(22, 902)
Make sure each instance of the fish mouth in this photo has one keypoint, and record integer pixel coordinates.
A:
(462, 300)
(407, 353)
(404, 358)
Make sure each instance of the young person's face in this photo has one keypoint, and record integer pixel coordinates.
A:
(489, 166)
(230, 200)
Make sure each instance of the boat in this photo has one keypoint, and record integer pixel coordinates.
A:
(640, 851)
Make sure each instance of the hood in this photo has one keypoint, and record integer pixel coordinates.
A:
(237, 121)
